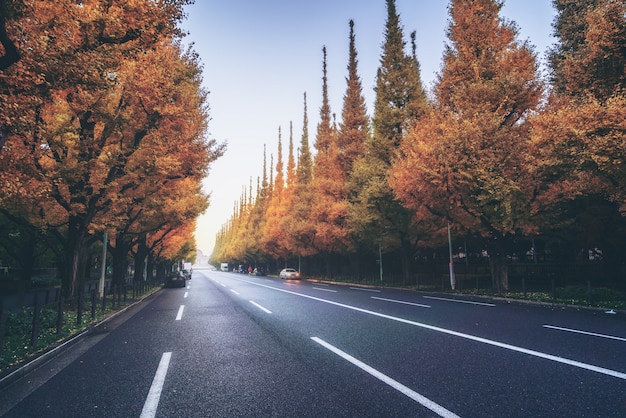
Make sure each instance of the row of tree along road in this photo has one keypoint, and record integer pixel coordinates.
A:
(509, 164)
(102, 139)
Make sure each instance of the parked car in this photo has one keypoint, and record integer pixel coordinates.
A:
(289, 273)
(177, 279)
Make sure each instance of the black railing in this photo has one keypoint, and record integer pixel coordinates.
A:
(34, 320)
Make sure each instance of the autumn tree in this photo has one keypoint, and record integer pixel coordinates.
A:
(273, 235)
(579, 138)
(257, 220)
(72, 146)
(163, 175)
(329, 205)
(354, 127)
(466, 161)
(300, 230)
(376, 216)
(589, 56)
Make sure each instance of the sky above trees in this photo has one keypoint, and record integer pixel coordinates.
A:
(260, 57)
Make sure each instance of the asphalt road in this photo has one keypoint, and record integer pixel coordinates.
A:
(231, 345)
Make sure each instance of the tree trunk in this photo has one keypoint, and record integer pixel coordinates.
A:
(499, 271)
(120, 260)
(407, 258)
(140, 259)
(74, 245)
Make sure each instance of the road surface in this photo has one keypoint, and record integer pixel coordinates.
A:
(232, 345)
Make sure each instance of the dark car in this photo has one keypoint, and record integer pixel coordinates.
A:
(177, 279)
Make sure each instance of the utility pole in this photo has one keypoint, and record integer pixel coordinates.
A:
(104, 264)
(380, 262)
(451, 264)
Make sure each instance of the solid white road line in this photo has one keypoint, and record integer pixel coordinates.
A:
(179, 315)
(522, 350)
(401, 301)
(422, 400)
(612, 337)
(261, 307)
(152, 401)
(459, 301)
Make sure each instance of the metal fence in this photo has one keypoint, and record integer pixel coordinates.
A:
(34, 319)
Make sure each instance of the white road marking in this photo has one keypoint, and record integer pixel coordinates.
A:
(234, 291)
(179, 315)
(459, 301)
(612, 337)
(261, 307)
(185, 295)
(152, 401)
(401, 301)
(522, 350)
(365, 290)
(422, 400)
(324, 290)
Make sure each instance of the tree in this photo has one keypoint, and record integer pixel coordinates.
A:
(273, 235)
(400, 97)
(578, 140)
(297, 224)
(329, 206)
(257, 220)
(376, 216)
(590, 56)
(466, 161)
(354, 128)
(80, 133)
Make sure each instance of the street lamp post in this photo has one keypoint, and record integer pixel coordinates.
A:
(451, 264)
(104, 265)
(380, 262)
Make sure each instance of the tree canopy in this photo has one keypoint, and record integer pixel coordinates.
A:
(113, 139)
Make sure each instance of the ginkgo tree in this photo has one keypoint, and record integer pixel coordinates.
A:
(376, 216)
(329, 208)
(579, 138)
(92, 132)
(466, 160)
(273, 236)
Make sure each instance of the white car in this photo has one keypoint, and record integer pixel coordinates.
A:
(289, 273)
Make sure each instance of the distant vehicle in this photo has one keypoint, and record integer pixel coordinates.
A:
(224, 267)
(187, 273)
(177, 279)
(289, 273)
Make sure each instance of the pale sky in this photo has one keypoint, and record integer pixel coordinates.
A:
(260, 56)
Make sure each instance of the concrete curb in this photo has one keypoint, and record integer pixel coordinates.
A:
(484, 297)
